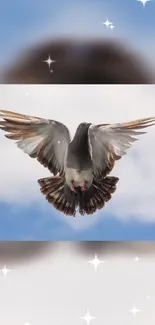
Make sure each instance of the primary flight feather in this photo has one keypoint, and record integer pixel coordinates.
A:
(80, 166)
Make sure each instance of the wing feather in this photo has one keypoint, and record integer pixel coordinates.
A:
(109, 142)
(46, 140)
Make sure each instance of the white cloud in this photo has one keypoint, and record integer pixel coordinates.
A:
(72, 105)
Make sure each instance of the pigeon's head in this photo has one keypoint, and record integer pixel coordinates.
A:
(84, 125)
(82, 128)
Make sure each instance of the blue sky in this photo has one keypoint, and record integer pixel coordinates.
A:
(26, 22)
(24, 212)
(27, 224)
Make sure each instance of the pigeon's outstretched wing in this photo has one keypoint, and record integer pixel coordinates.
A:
(109, 142)
(44, 139)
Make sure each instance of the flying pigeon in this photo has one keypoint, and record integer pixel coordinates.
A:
(79, 166)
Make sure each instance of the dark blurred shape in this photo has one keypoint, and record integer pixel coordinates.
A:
(26, 252)
(80, 62)
(88, 249)
(18, 252)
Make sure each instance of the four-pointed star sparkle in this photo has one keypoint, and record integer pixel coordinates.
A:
(88, 318)
(49, 61)
(111, 26)
(137, 259)
(134, 310)
(144, 2)
(107, 23)
(96, 262)
(5, 270)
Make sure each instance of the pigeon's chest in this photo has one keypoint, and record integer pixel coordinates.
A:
(78, 178)
(78, 155)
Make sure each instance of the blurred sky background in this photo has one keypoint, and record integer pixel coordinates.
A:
(129, 215)
(23, 23)
(60, 285)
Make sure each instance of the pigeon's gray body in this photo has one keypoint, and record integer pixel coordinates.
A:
(80, 167)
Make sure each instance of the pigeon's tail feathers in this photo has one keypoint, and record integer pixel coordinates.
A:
(56, 193)
(66, 201)
(98, 194)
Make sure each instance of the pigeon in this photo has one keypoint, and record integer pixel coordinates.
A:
(79, 167)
